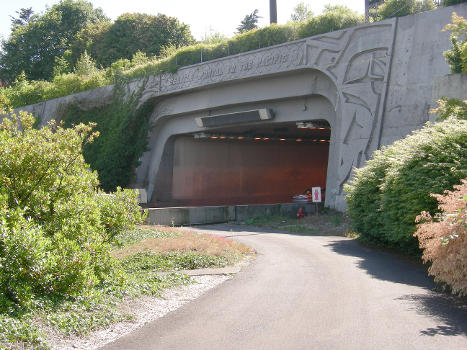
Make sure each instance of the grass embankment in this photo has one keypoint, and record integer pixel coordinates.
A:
(149, 257)
(327, 222)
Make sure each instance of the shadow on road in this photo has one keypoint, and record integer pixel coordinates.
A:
(450, 310)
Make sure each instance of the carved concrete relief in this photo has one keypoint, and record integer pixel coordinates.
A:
(358, 62)
(270, 60)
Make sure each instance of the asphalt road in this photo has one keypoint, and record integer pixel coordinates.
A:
(311, 292)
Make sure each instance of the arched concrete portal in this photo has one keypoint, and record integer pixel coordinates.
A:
(305, 96)
(372, 83)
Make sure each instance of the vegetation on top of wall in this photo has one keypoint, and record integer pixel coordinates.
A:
(399, 8)
(386, 195)
(23, 92)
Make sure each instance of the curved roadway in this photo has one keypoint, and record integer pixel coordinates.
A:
(311, 292)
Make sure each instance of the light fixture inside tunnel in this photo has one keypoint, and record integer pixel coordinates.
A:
(250, 116)
(312, 125)
(232, 138)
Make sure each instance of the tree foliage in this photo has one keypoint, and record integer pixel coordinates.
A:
(249, 22)
(443, 239)
(385, 196)
(34, 44)
(130, 33)
(332, 18)
(55, 225)
(301, 13)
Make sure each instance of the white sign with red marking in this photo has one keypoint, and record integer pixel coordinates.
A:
(316, 194)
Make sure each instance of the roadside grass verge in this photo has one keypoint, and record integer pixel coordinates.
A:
(328, 222)
(148, 258)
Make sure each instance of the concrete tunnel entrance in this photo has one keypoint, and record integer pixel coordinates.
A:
(254, 164)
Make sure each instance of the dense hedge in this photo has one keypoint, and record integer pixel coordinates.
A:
(26, 92)
(385, 196)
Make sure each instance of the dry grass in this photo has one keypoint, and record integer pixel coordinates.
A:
(328, 222)
(182, 240)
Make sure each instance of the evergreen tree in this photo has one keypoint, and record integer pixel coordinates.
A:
(249, 22)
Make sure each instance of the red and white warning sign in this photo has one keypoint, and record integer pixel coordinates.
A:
(316, 194)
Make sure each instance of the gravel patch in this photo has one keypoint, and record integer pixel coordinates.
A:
(144, 309)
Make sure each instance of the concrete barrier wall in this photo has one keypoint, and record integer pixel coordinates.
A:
(186, 216)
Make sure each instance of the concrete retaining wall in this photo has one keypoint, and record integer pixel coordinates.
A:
(218, 214)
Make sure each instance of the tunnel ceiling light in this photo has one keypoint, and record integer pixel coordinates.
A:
(306, 125)
(250, 116)
(200, 135)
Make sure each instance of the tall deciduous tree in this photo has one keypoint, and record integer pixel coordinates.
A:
(249, 22)
(36, 41)
(130, 33)
(301, 13)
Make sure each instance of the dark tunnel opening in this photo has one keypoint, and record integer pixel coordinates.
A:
(259, 164)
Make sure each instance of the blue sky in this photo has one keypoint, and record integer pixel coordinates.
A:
(203, 16)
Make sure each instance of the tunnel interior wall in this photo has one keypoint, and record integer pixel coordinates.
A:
(214, 172)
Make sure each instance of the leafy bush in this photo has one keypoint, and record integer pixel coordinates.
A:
(55, 226)
(448, 107)
(457, 55)
(443, 239)
(333, 18)
(386, 195)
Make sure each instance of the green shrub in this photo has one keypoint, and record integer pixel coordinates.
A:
(55, 227)
(333, 18)
(456, 57)
(449, 107)
(386, 195)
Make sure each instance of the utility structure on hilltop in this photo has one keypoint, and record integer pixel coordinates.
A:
(272, 11)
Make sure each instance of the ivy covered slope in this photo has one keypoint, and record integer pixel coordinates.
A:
(122, 129)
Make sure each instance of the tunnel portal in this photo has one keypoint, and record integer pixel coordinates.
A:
(253, 164)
